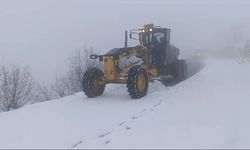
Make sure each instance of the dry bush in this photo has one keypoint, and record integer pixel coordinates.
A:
(17, 88)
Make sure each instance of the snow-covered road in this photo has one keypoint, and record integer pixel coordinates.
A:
(208, 110)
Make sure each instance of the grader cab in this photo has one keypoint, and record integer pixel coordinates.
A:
(134, 66)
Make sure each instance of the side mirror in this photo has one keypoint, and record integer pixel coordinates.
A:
(93, 56)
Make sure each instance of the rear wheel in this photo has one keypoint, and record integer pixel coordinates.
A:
(137, 82)
(92, 82)
(179, 70)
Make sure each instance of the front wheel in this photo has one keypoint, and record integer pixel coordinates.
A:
(137, 82)
(92, 82)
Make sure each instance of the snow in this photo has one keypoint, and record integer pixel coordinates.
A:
(208, 110)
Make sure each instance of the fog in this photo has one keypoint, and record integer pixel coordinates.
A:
(42, 34)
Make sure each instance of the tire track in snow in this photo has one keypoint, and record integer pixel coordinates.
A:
(124, 125)
(104, 134)
(121, 126)
(76, 144)
(132, 119)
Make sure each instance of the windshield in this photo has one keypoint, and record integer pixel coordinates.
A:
(149, 38)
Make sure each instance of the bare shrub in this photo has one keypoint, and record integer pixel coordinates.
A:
(78, 64)
(17, 88)
(45, 93)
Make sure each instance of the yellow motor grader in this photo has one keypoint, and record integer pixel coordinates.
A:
(135, 66)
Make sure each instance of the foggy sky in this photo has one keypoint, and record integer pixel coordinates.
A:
(42, 34)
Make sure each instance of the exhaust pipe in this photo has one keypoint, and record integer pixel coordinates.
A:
(126, 39)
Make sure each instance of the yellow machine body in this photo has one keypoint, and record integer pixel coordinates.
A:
(114, 74)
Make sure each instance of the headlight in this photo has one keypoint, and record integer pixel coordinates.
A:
(143, 30)
(150, 30)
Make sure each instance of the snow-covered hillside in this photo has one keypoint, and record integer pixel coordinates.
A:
(208, 110)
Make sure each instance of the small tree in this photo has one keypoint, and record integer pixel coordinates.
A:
(77, 67)
(246, 50)
(17, 88)
(61, 86)
(244, 53)
(45, 93)
(79, 62)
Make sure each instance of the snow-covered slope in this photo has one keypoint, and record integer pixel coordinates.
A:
(208, 110)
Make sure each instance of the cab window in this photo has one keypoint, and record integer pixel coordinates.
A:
(158, 37)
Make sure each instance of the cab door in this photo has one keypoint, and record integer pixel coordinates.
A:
(159, 47)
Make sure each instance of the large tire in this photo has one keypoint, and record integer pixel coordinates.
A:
(180, 70)
(89, 82)
(137, 82)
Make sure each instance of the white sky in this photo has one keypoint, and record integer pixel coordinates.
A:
(43, 33)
